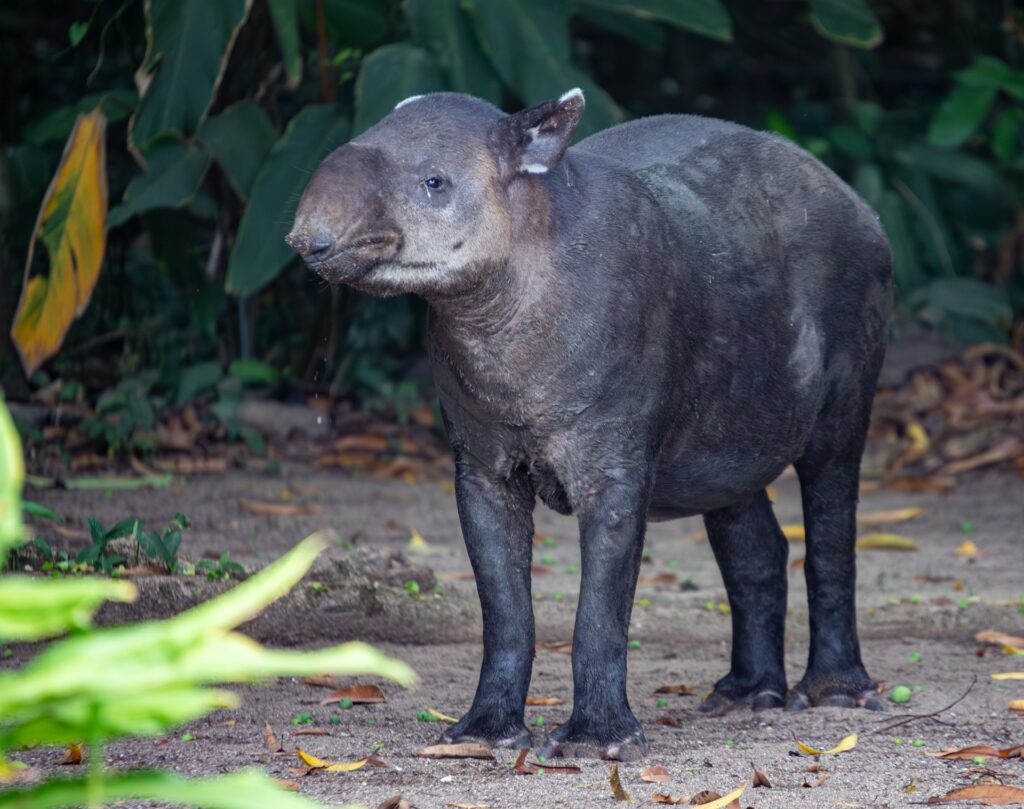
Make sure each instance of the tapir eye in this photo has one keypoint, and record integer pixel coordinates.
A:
(434, 183)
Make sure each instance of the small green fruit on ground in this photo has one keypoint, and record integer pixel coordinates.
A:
(900, 694)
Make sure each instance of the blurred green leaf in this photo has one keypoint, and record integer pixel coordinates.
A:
(34, 509)
(528, 43)
(389, 75)
(960, 115)
(32, 609)
(1007, 133)
(12, 476)
(646, 33)
(260, 252)
(188, 44)
(851, 22)
(968, 298)
(285, 16)
(906, 267)
(442, 27)
(360, 23)
(851, 141)
(980, 176)
(175, 172)
(255, 371)
(197, 379)
(239, 139)
(989, 72)
(113, 484)
(706, 17)
(57, 125)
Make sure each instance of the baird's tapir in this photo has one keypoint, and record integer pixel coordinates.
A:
(651, 324)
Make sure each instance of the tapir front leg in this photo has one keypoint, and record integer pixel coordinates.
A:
(497, 524)
(611, 538)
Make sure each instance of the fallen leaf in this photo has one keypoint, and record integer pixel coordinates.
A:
(660, 578)
(661, 797)
(671, 721)
(468, 805)
(397, 802)
(361, 442)
(417, 544)
(1012, 752)
(462, 750)
(359, 694)
(967, 549)
(814, 768)
(1016, 705)
(442, 716)
(617, 791)
(1000, 639)
(73, 755)
(986, 794)
(311, 732)
(315, 763)
(524, 767)
(270, 739)
(844, 746)
(760, 778)
(682, 689)
(817, 782)
(896, 515)
(722, 802)
(1009, 675)
(656, 775)
(544, 701)
(562, 647)
(794, 533)
(540, 570)
(291, 786)
(279, 509)
(922, 485)
(886, 542)
(322, 681)
(971, 752)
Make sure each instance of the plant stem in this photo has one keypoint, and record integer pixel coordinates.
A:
(94, 748)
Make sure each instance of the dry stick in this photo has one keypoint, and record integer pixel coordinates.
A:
(906, 720)
(326, 85)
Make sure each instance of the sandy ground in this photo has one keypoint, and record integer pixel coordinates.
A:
(918, 614)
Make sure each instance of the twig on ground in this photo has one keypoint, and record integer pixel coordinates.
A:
(906, 720)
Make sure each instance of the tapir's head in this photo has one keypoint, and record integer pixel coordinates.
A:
(421, 202)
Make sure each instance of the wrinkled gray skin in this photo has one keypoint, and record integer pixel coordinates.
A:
(651, 324)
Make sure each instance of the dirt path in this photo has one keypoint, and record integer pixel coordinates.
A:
(918, 613)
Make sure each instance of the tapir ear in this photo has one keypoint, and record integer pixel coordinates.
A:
(533, 141)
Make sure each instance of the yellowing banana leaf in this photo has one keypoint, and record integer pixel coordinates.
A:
(329, 766)
(71, 224)
(845, 746)
(886, 542)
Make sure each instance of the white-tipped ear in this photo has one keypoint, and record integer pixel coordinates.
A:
(408, 100)
(533, 141)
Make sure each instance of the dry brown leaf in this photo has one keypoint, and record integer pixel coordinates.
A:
(361, 442)
(760, 778)
(311, 732)
(656, 775)
(661, 797)
(545, 701)
(270, 741)
(1005, 450)
(279, 509)
(396, 802)
(999, 639)
(285, 783)
(188, 465)
(617, 791)
(540, 570)
(712, 800)
(660, 578)
(66, 532)
(462, 750)
(922, 485)
(562, 647)
(985, 794)
(671, 721)
(524, 767)
(971, 752)
(322, 681)
(682, 689)
(817, 782)
(1012, 752)
(359, 694)
(73, 755)
(468, 805)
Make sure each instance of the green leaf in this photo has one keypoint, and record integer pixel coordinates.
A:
(989, 72)
(260, 252)
(124, 528)
(57, 124)
(389, 75)
(960, 115)
(906, 268)
(155, 481)
(238, 790)
(442, 27)
(175, 171)
(285, 16)
(705, 17)
(32, 609)
(152, 545)
(963, 297)
(359, 23)
(197, 379)
(254, 371)
(527, 41)
(980, 176)
(34, 509)
(239, 139)
(851, 22)
(643, 32)
(188, 45)
(77, 31)
(1006, 134)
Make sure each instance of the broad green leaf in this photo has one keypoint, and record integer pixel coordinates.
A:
(706, 17)
(57, 125)
(527, 41)
(32, 609)
(255, 371)
(442, 27)
(197, 379)
(239, 139)
(357, 23)
(12, 475)
(71, 226)
(987, 71)
(964, 297)
(1007, 134)
(188, 43)
(982, 177)
(389, 75)
(285, 16)
(645, 33)
(175, 171)
(260, 252)
(851, 22)
(906, 268)
(245, 789)
(960, 115)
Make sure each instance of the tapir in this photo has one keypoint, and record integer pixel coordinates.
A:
(652, 323)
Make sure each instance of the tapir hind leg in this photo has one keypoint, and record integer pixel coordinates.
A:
(751, 553)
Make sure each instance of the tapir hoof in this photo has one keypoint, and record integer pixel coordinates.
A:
(719, 703)
(838, 691)
(569, 743)
(515, 738)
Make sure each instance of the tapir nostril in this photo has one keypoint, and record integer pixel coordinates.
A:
(318, 249)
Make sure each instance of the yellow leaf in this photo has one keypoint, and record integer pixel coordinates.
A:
(897, 515)
(1016, 705)
(725, 800)
(886, 542)
(794, 533)
(417, 544)
(845, 746)
(918, 437)
(329, 766)
(441, 716)
(967, 549)
(1009, 675)
(72, 226)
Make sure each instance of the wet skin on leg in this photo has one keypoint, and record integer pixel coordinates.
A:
(602, 724)
(751, 552)
(497, 523)
(835, 674)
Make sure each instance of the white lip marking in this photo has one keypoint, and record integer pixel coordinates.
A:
(407, 101)
(573, 93)
(535, 168)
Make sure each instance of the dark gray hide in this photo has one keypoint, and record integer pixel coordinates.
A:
(650, 324)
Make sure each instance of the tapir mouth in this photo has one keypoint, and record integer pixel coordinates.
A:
(375, 246)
